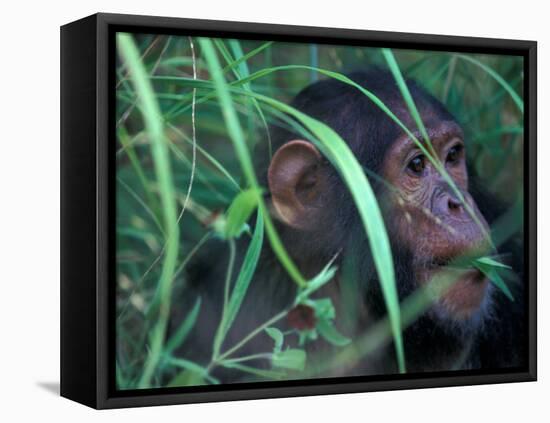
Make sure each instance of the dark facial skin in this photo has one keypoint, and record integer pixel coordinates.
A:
(431, 221)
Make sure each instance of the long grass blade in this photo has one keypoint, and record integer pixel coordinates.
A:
(181, 333)
(241, 285)
(237, 136)
(159, 151)
(515, 97)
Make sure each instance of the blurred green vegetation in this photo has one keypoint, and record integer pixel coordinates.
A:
(189, 113)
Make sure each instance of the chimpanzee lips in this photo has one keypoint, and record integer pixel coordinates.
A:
(462, 261)
(464, 287)
(436, 263)
(464, 290)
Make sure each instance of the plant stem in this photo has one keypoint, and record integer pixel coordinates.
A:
(249, 357)
(247, 338)
(227, 287)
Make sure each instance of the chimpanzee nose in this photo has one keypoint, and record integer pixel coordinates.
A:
(446, 204)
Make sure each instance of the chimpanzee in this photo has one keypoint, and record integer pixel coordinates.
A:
(472, 326)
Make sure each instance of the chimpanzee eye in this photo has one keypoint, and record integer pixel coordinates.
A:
(417, 164)
(454, 154)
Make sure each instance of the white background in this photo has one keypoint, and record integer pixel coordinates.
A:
(29, 232)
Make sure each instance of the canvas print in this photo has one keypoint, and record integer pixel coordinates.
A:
(297, 211)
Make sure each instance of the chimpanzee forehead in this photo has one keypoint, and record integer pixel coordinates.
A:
(429, 109)
(439, 133)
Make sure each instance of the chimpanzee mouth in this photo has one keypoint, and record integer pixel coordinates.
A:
(437, 263)
(464, 262)
(464, 286)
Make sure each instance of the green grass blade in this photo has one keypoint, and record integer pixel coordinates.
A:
(394, 68)
(159, 151)
(241, 67)
(220, 45)
(176, 110)
(515, 97)
(313, 61)
(495, 278)
(242, 283)
(241, 149)
(246, 56)
(208, 156)
(193, 367)
(330, 333)
(277, 337)
(181, 333)
(142, 203)
(122, 136)
(292, 358)
(239, 211)
(491, 262)
(243, 71)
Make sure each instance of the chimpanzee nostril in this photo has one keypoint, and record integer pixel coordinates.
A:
(454, 205)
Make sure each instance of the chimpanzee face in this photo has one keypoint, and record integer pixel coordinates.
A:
(434, 225)
(430, 220)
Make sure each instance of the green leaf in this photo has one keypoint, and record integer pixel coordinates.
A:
(239, 212)
(243, 282)
(277, 336)
(193, 367)
(309, 335)
(325, 313)
(324, 309)
(181, 334)
(493, 263)
(292, 358)
(495, 278)
(317, 282)
(330, 333)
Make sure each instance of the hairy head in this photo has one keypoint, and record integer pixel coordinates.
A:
(422, 186)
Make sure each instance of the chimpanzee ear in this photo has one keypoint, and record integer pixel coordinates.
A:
(296, 182)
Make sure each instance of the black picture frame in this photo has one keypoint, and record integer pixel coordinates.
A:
(87, 162)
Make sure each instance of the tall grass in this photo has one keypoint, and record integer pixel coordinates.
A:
(191, 120)
(163, 170)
